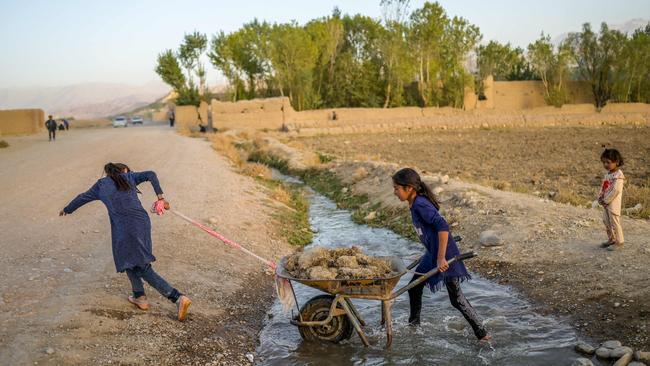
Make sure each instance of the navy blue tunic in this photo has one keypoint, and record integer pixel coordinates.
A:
(130, 224)
(428, 223)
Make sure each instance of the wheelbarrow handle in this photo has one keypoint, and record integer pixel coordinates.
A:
(426, 276)
(415, 263)
(462, 257)
(457, 238)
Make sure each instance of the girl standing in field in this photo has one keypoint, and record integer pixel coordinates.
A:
(131, 231)
(610, 197)
(433, 231)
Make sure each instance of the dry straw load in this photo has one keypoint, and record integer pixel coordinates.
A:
(342, 263)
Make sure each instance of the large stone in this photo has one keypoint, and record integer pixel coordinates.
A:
(642, 356)
(618, 352)
(636, 363)
(437, 190)
(489, 238)
(611, 344)
(584, 348)
(636, 209)
(603, 352)
(624, 360)
(582, 362)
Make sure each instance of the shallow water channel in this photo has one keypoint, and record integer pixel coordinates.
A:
(521, 336)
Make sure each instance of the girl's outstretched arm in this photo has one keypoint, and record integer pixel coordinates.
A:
(148, 176)
(443, 237)
(88, 196)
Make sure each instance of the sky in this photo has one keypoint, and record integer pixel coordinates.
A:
(64, 42)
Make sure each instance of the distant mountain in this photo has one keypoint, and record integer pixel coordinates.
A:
(626, 28)
(87, 100)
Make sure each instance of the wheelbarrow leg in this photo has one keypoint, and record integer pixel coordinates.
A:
(383, 319)
(355, 323)
(386, 316)
(355, 312)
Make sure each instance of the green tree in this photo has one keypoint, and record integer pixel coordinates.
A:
(394, 49)
(328, 36)
(358, 80)
(460, 37)
(503, 62)
(597, 57)
(632, 76)
(293, 56)
(221, 57)
(170, 70)
(551, 67)
(189, 57)
(427, 31)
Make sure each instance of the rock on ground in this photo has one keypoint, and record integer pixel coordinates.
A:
(584, 348)
(612, 344)
(489, 238)
(582, 362)
(603, 352)
(624, 360)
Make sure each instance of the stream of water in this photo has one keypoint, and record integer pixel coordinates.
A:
(521, 336)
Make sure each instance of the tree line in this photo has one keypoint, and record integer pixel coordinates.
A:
(420, 58)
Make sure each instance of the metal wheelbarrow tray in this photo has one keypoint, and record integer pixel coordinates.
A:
(332, 317)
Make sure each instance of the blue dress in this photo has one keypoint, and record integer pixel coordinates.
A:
(428, 222)
(130, 224)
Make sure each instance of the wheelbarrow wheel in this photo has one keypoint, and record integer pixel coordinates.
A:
(316, 309)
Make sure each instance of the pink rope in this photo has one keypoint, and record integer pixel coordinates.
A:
(225, 240)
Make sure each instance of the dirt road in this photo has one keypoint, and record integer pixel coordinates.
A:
(61, 301)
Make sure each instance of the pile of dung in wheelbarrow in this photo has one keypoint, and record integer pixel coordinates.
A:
(344, 274)
(342, 263)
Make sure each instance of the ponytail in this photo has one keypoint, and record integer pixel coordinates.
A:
(425, 191)
(408, 177)
(114, 171)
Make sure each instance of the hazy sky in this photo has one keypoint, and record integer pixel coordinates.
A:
(55, 43)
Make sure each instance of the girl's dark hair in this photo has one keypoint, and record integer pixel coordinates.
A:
(408, 177)
(612, 155)
(114, 171)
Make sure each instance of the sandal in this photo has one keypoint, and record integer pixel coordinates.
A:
(141, 302)
(182, 305)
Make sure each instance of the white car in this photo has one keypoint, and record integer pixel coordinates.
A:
(136, 120)
(119, 121)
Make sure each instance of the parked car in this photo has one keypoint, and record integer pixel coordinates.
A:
(136, 120)
(119, 121)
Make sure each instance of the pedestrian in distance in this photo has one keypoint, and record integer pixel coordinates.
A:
(50, 124)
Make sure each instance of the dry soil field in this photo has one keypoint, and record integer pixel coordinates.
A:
(558, 162)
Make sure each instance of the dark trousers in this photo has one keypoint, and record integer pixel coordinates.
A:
(457, 299)
(51, 134)
(137, 274)
(171, 122)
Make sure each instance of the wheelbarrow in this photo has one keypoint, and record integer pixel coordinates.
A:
(332, 317)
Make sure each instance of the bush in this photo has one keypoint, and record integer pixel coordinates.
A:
(3, 144)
